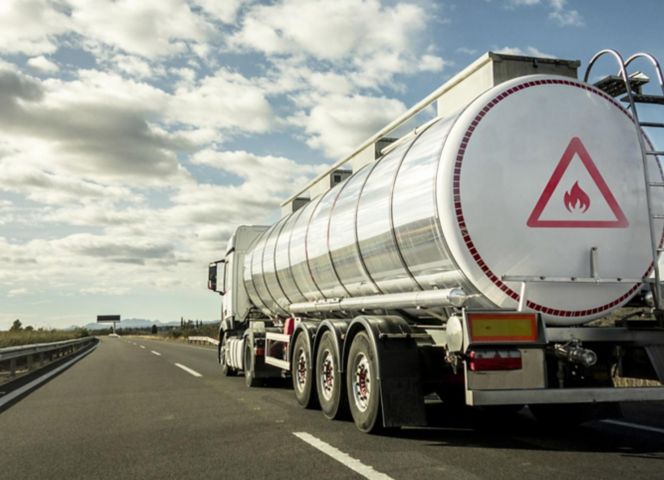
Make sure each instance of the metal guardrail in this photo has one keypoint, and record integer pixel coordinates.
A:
(203, 340)
(22, 358)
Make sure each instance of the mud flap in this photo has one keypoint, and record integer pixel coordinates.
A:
(656, 355)
(400, 383)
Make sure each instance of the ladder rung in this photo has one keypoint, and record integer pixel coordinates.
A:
(638, 98)
(654, 152)
(658, 216)
(656, 184)
(652, 124)
(660, 249)
(614, 85)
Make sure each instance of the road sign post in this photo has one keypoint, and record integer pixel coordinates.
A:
(109, 318)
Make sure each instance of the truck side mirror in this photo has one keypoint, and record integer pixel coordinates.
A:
(212, 276)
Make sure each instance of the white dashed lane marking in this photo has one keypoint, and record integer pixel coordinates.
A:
(188, 370)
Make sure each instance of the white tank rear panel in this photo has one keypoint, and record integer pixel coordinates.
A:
(535, 173)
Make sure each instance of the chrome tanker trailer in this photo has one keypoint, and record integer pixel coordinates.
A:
(468, 258)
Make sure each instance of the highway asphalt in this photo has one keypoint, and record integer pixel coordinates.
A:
(128, 411)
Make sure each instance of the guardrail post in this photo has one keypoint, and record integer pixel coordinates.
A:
(12, 367)
(29, 362)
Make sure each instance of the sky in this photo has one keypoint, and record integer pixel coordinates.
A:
(135, 135)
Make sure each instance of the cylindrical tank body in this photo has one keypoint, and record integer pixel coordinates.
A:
(527, 181)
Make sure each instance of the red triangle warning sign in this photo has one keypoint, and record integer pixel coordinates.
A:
(576, 198)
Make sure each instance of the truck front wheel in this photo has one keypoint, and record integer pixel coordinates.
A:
(362, 384)
(302, 373)
(226, 370)
(249, 362)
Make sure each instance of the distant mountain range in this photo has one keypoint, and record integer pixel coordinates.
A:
(132, 323)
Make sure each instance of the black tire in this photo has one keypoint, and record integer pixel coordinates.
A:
(362, 385)
(330, 385)
(225, 369)
(249, 362)
(302, 373)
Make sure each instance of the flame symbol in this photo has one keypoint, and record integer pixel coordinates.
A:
(576, 198)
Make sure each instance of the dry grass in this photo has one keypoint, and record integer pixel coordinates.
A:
(27, 337)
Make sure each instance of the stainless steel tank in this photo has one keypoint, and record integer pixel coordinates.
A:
(473, 200)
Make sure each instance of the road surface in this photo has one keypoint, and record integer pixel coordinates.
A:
(138, 408)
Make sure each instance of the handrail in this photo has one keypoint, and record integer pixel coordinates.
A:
(654, 239)
(652, 60)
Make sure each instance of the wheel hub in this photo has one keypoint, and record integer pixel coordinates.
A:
(327, 375)
(362, 383)
(301, 373)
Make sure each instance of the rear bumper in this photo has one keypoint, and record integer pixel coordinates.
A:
(563, 395)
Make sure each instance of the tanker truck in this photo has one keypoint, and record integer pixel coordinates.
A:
(471, 258)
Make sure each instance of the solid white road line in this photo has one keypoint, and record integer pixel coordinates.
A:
(37, 381)
(634, 425)
(156, 353)
(188, 370)
(365, 470)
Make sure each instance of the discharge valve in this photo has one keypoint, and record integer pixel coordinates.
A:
(573, 353)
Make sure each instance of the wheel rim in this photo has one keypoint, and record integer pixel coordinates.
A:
(327, 375)
(361, 382)
(301, 370)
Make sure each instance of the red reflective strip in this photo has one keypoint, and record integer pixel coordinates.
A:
(260, 352)
(497, 362)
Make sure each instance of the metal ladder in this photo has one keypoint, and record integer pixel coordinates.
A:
(616, 85)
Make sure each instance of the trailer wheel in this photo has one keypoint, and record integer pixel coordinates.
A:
(249, 362)
(330, 384)
(362, 384)
(302, 373)
(226, 370)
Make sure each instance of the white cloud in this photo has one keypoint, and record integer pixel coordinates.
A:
(527, 52)
(431, 63)
(105, 164)
(43, 64)
(30, 26)
(89, 136)
(223, 100)
(330, 30)
(224, 10)
(15, 292)
(118, 250)
(467, 51)
(150, 28)
(523, 3)
(55, 189)
(134, 66)
(337, 124)
(558, 11)
(564, 17)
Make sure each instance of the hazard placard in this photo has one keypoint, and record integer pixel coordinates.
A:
(574, 206)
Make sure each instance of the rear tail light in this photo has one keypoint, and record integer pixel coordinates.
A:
(484, 360)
